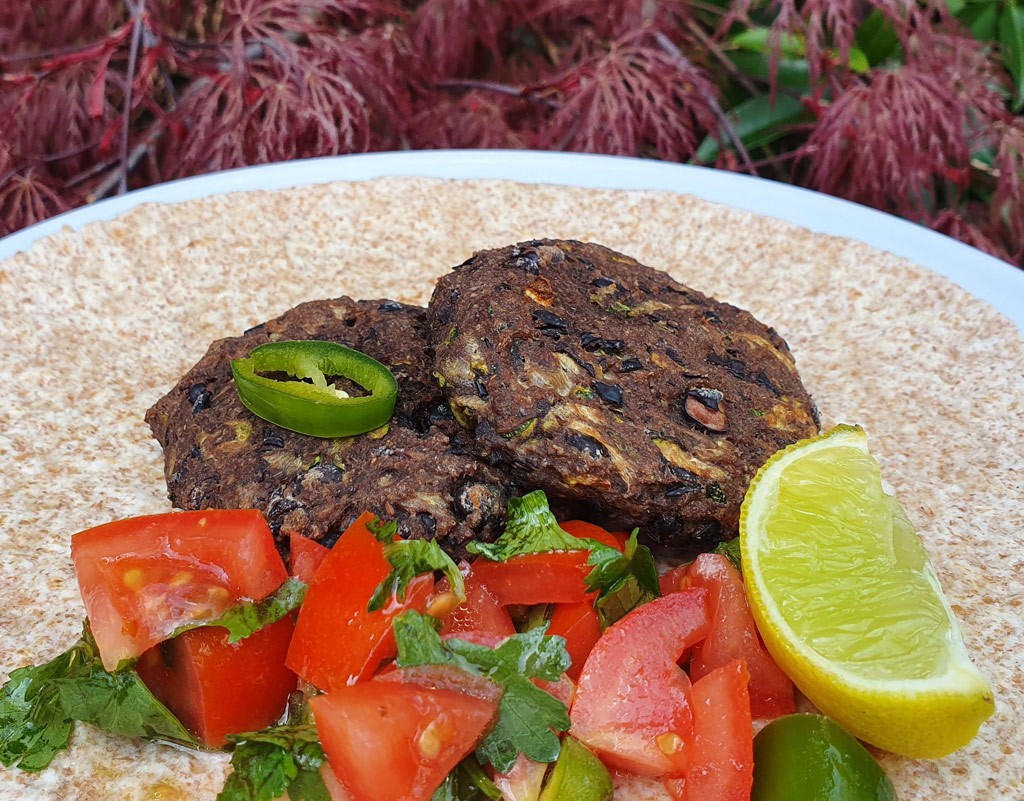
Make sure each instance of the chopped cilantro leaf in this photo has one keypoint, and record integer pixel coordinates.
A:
(384, 532)
(530, 528)
(245, 619)
(624, 580)
(411, 558)
(266, 764)
(38, 706)
(528, 717)
(467, 782)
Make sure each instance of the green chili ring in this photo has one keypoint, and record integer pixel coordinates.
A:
(315, 408)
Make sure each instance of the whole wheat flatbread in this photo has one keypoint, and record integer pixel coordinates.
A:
(98, 324)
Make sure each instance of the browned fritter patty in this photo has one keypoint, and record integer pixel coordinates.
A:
(417, 470)
(605, 382)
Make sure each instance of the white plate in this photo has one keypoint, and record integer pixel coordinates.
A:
(988, 278)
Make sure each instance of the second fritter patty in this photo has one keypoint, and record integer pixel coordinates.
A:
(417, 470)
(602, 381)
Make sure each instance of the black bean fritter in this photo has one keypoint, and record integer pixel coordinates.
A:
(417, 470)
(602, 381)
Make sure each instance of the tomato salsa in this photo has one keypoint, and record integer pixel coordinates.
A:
(382, 671)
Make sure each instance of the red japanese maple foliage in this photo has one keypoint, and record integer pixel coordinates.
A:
(100, 96)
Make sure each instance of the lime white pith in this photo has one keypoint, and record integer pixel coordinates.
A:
(849, 605)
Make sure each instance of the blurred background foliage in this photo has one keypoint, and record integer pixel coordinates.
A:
(910, 107)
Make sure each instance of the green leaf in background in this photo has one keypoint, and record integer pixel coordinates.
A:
(981, 18)
(1011, 47)
(877, 40)
(757, 122)
(792, 73)
(762, 40)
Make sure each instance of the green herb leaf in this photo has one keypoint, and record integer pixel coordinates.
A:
(411, 558)
(38, 706)
(467, 782)
(625, 580)
(981, 18)
(119, 703)
(792, 73)
(530, 528)
(758, 121)
(384, 532)
(876, 37)
(420, 644)
(527, 715)
(763, 40)
(33, 725)
(730, 549)
(1011, 47)
(266, 764)
(245, 619)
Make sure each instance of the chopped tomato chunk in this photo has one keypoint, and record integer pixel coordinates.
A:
(305, 556)
(632, 704)
(337, 641)
(217, 688)
(673, 580)
(480, 613)
(589, 531)
(143, 577)
(396, 738)
(733, 635)
(580, 626)
(537, 578)
(721, 758)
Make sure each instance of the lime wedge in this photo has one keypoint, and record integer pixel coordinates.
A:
(849, 605)
(578, 775)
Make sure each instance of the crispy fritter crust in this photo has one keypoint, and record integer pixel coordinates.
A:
(417, 470)
(605, 382)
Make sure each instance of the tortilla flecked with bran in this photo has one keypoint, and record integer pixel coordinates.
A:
(101, 322)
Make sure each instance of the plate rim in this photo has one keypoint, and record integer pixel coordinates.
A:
(984, 276)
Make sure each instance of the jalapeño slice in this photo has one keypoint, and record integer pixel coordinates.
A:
(318, 409)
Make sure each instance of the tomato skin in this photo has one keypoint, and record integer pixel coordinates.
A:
(217, 688)
(480, 613)
(585, 531)
(673, 580)
(304, 556)
(580, 626)
(632, 703)
(721, 759)
(337, 642)
(537, 578)
(395, 738)
(733, 635)
(143, 577)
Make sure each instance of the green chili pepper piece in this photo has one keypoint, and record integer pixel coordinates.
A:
(315, 408)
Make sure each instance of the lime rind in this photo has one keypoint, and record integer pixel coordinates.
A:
(921, 698)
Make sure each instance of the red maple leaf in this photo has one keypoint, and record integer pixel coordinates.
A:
(633, 98)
